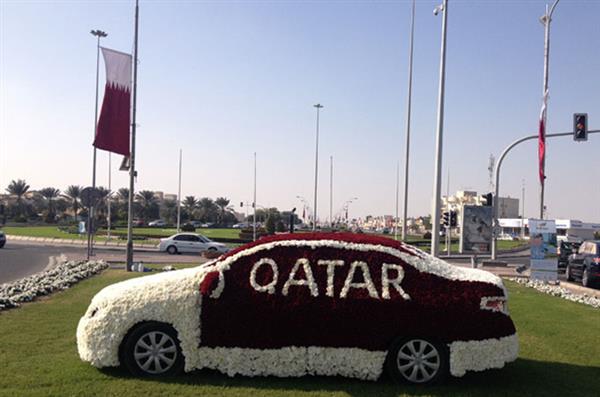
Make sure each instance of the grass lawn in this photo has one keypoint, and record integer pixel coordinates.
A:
(559, 356)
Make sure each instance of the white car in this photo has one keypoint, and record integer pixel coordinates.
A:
(189, 242)
(157, 223)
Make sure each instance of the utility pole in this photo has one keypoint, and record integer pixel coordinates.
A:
(437, 184)
(545, 20)
(397, 197)
(109, 193)
(318, 106)
(523, 209)
(254, 203)
(408, 114)
(132, 171)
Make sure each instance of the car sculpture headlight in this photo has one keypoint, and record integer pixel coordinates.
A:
(313, 303)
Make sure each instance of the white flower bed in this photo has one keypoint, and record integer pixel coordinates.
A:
(43, 283)
(559, 291)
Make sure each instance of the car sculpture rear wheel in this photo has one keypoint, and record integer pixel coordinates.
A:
(152, 349)
(417, 361)
(172, 250)
(585, 278)
(568, 273)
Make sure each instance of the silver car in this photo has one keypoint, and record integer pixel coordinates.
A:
(190, 243)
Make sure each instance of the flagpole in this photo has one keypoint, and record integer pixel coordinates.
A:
(254, 203)
(132, 172)
(90, 239)
(331, 191)
(109, 194)
(179, 195)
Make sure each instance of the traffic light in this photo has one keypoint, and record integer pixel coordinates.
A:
(453, 218)
(488, 199)
(580, 124)
(446, 219)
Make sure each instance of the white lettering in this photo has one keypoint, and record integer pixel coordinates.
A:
(368, 283)
(309, 281)
(395, 282)
(331, 264)
(270, 287)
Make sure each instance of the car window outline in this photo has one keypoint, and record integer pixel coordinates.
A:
(180, 237)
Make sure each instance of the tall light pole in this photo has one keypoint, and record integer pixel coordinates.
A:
(408, 113)
(108, 198)
(523, 209)
(179, 194)
(98, 34)
(437, 184)
(254, 203)
(545, 20)
(397, 200)
(331, 191)
(318, 106)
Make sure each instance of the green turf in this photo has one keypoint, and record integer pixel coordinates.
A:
(559, 356)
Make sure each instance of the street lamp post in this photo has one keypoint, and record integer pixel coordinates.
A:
(98, 34)
(545, 20)
(408, 113)
(318, 106)
(437, 184)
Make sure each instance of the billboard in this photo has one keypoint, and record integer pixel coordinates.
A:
(476, 229)
(542, 244)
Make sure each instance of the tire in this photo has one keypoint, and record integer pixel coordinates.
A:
(417, 361)
(212, 249)
(172, 250)
(585, 278)
(139, 350)
(568, 273)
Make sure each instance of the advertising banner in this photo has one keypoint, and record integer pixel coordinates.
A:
(476, 229)
(542, 243)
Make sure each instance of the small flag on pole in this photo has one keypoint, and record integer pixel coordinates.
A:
(115, 117)
(542, 139)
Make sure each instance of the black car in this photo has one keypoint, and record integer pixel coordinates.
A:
(585, 264)
(565, 249)
(2, 239)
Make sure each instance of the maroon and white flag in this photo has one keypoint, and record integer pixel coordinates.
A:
(115, 117)
(542, 140)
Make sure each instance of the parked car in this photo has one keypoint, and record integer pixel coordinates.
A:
(196, 224)
(564, 251)
(189, 242)
(139, 223)
(584, 265)
(241, 225)
(2, 239)
(157, 223)
(293, 304)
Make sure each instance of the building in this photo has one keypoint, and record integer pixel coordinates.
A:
(507, 207)
(566, 229)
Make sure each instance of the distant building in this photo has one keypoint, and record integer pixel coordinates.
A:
(507, 207)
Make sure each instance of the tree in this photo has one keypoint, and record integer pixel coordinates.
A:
(169, 211)
(208, 210)
(50, 193)
(18, 188)
(123, 194)
(189, 205)
(148, 205)
(223, 204)
(73, 194)
(101, 208)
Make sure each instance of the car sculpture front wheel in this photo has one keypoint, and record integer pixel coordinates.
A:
(172, 250)
(417, 360)
(152, 349)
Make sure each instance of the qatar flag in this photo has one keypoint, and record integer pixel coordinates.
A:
(542, 140)
(113, 125)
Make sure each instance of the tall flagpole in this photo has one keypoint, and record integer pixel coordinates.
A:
(397, 199)
(132, 172)
(408, 113)
(109, 194)
(254, 203)
(331, 191)
(90, 238)
(179, 195)
(318, 106)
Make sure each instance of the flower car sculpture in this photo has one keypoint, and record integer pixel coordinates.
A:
(297, 304)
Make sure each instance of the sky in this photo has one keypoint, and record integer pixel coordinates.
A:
(224, 79)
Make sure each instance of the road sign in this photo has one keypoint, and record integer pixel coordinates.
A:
(90, 196)
(580, 124)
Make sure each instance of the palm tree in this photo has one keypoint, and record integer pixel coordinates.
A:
(208, 209)
(50, 193)
(73, 193)
(169, 211)
(223, 204)
(18, 188)
(189, 205)
(123, 194)
(101, 205)
(147, 202)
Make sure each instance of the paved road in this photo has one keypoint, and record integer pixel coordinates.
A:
(21, 258)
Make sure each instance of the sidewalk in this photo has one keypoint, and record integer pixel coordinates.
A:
(77, 242)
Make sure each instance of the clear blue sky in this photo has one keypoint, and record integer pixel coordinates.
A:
(222, 79)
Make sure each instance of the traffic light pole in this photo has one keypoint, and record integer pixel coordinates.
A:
(497, 179)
